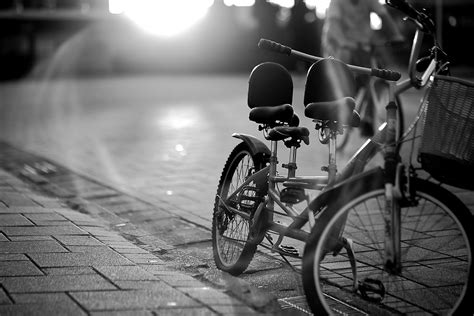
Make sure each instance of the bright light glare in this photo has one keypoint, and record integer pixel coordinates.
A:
(320, 5)
(162, 17)
(240, 3)
(375, 21)
(284, 3)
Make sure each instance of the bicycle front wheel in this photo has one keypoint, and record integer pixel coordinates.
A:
(436, 256)
(234, 241)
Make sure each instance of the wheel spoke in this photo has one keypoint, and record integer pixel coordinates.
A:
(436, 254)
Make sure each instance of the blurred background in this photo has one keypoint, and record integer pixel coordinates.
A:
(109, 37)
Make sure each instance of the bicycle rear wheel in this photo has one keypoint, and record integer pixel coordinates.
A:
(234, 239)
(436, 247)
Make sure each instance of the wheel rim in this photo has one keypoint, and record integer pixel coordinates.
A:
(431, 235)
(233, 229)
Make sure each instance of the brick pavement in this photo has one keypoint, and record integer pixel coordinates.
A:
(57, 261)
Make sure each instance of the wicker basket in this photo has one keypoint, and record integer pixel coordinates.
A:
(447, 145)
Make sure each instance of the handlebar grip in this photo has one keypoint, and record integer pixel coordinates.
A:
(274, 46)
(386, 74)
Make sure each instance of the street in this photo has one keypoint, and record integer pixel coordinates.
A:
(162, 139)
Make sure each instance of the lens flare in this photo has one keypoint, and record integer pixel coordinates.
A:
(163, 17)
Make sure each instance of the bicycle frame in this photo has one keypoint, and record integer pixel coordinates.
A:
(333, 181)
(367, 151)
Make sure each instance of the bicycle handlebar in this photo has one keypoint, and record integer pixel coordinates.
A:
(423, 20)
(285, 50)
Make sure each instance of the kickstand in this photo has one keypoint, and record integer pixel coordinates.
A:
(348, 245)
(269, 238)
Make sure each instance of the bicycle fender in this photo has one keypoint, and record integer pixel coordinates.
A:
(255, 145)
(373, 178)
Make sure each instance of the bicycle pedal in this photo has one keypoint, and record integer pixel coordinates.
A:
(288, 251)
(372, 290)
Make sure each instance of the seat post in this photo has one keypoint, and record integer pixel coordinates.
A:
(273, 163)
(332, 166)
(292, 162)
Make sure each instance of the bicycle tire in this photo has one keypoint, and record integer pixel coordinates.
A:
(234, 243)
(437, 269)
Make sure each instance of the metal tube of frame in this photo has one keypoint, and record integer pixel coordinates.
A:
(289, 232)
(392, 207)
(272, 171)
(415, 51)
(332, 167)
(292, 162)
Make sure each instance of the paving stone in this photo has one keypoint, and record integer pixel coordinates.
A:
(126, 300)
(131, 230)
(126, 251)
(13, 257)
(124, 313)
(40, 297)
(111, 238)
(4, 299)
(122, 244)
(15, 200)
(93, 248)
(47, 230)
(41, 309)
(141, 258)
(78, 240)
(123, 273)
(24, 210)
(140, 285)
(55, 283)
(48, 203)
(233, 309)
(31, 246)
(176, 231)
(45, 217)
(186, 311)
(206, 293)
(73, 215)
(14, 220)
(99, 232)
(141, 216)
(180, 280)
(54, 223)
(69, 271)
(92, 258)
(96, 192)
(158, 269)
(19, 268)
(30, 238)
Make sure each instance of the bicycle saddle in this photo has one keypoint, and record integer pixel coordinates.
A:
(270, 94)
(271, 114)
(329, 90)
(284, 132)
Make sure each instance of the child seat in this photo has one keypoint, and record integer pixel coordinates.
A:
(270, 94)
(329, 93)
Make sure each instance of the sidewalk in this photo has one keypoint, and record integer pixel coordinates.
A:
(57, 261)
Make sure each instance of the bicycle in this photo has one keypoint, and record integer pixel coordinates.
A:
(411, 240)
(249, 191)
(371, 98)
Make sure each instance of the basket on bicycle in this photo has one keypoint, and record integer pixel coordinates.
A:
(447, 144)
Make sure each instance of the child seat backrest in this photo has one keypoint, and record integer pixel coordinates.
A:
(328, 80)
(270, 84)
